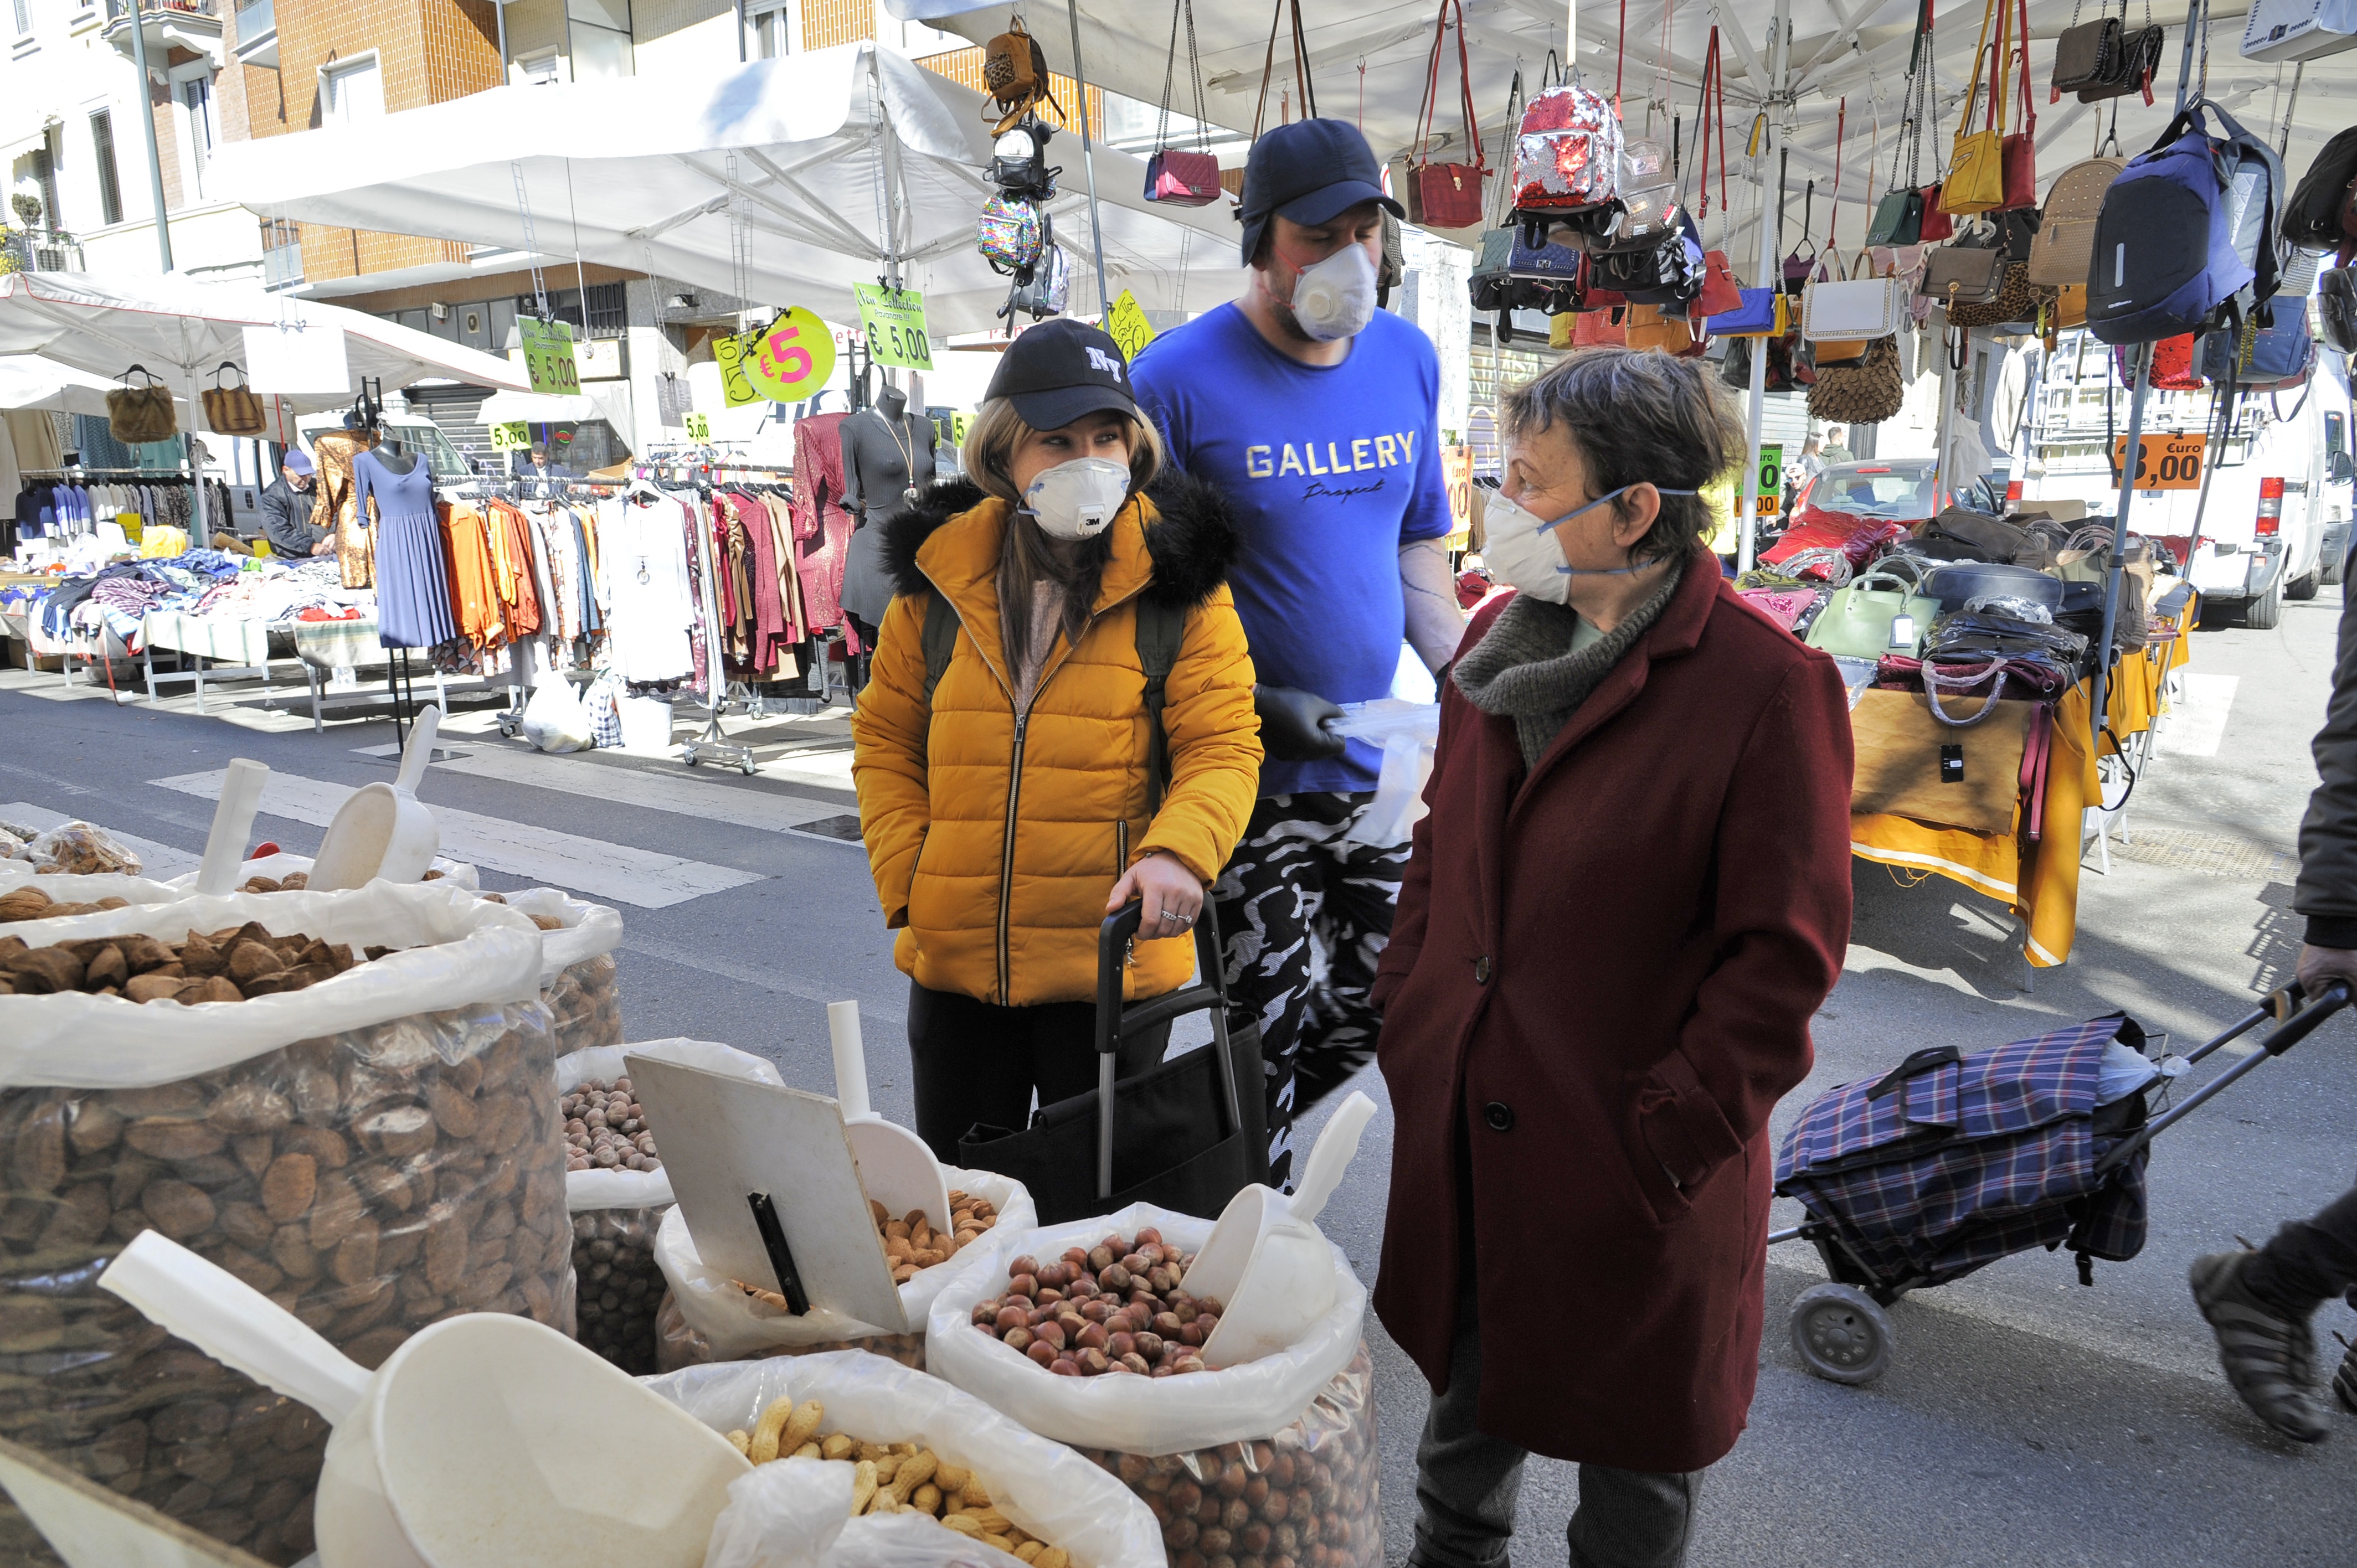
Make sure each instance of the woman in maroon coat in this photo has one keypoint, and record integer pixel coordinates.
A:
(1630, 895)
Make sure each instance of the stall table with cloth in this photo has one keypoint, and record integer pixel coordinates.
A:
(326, 646)
(2021, 845)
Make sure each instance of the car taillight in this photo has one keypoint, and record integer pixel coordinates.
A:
(2012, 491)
(2271, 493)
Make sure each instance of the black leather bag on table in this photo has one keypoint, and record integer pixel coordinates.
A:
(1959, 583)
(1187, 1136)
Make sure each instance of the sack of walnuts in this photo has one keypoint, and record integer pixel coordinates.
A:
(616, 1200)
(709, 1317)
(577, 976)
(367, 1137)
(849, 1402)
(1271, 1463)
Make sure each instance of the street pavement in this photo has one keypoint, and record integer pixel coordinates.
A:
(2026, 1420)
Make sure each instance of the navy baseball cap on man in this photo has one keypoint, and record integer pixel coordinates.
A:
(1061, 370)
(295, 461)
(1308, 171)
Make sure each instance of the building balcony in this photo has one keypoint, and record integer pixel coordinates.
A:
(40, 251)
(191, 24)
(257, 32)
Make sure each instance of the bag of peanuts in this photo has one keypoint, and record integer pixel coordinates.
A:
(578, 978)
(617, 1204)
(710, 1317)
(1267, 1463)
(343, 1099)
(968, 1467)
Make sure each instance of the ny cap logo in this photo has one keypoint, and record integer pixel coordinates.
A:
(1101, 360)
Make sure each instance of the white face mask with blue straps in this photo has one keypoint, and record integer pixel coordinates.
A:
(1519, 552)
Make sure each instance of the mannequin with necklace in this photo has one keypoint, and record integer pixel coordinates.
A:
(888, 457)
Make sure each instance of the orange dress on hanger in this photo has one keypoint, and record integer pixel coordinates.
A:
(332, 455)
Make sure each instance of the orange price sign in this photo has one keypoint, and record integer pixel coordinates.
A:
(2164, 462)
(791, 358)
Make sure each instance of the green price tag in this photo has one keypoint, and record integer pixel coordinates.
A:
(1771, 470)
(509, 435)
(1127, 325)
(895, 324)
(699, 428)
(548, 356)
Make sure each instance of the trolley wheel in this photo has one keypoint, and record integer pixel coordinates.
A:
(1841, 1334)
(747, 767)
(511, 725)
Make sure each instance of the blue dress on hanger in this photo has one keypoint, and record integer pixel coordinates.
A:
(412, 582)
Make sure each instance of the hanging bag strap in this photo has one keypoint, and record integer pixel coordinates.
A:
(1832, 223)
(1501, 194)
(1994, 12)
(2022, 43)
(1464, 87)
(1194, 80)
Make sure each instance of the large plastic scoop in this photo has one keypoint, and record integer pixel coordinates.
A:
(1267, 1261)
(486, 1439)
(896, 1167)
(240, 798)
(383, 829)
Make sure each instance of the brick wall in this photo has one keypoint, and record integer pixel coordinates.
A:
(652, 19)
(826, 23)
(964, 67)
(131, 156)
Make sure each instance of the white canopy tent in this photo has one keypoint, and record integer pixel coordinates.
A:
(769, 182)
(183, 331)
(30, 382)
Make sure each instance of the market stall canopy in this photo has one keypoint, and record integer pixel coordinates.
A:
(183, 331)
(29, 380)
(536, 408)
(665, 174)
(1853, 48)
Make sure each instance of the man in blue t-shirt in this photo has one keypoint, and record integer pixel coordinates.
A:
(1318, 414)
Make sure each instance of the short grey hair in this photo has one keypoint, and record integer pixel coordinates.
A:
(1638, 416)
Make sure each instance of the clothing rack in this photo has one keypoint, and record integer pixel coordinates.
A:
(714, 743)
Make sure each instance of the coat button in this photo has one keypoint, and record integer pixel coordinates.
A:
(1481, 970)
(1500, 1115)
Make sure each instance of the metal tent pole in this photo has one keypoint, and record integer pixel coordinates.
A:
(1089, 157)
(2128, 463)
(1771, 240)
(147, 124)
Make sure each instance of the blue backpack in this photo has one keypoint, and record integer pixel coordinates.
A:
(2261, 358)
(2187, 233)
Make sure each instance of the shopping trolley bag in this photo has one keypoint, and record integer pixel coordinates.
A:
(1187, 1135)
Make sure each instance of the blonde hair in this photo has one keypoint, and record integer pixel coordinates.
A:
(997, 431)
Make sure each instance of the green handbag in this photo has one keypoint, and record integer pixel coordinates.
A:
(1856, 621)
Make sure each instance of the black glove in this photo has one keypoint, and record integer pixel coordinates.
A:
(1293, 723)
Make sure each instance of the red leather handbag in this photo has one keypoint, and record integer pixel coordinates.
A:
(1602, 329)
(1937, 224)
(1174, 175)
(2020, 149)
(1720, 292)
(1447, 196)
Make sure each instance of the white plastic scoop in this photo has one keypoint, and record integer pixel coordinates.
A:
(240, 798)
(486, 1439)
(383, 829)
(896, 1167)
(1267, 1261)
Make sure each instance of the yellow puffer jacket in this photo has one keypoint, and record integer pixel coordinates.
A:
(995, 842)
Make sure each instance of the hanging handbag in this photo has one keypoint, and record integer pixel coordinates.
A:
(2336, 307)
(1756, 316)
(2065, 244)
(1937, 224)
(2084, 54)
(2017, 299)
(233, 410)
(1898, 219)
(1964, 276)
(1015, 74)
(1009, 232)
(1865, 391)
(1183, 177)
(1606, 328)
(1648, 328)
(1445, 194)
(1720, 292)
(1900, 216)
(138, 414)
(2132, 63)
(2021, 147)
(1856, 306)
(1976, 177)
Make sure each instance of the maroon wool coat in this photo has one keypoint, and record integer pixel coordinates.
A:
(1596, 972)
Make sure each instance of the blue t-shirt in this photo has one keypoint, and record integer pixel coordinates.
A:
(1331, 469)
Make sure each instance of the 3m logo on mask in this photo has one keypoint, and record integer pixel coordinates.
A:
(1322, 458)
(1101, 360)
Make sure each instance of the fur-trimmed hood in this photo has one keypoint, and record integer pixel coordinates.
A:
(1192, 540)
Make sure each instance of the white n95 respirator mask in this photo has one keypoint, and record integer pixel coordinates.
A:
(1078, 500)
(1520, 548)
(1335, 298)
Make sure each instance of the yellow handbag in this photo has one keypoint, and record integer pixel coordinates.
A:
(1836, 352)
(1649, 328)
(1976, 181)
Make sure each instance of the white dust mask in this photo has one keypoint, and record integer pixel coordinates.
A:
(1335, 298)
(1520, 550)
(1078, 500)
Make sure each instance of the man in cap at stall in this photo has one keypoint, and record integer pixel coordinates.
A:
(286, 510)
(1318, 413)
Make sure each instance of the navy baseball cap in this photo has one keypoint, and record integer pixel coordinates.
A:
(295, 461)
(1061, 370)
(1308, 171)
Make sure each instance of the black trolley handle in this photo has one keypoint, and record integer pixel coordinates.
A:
(2299, 1017)
(1114, 1020)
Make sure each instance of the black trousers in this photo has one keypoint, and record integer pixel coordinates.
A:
(980, 1063)
(2309, 1260)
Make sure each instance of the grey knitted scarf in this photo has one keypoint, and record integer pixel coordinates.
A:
(1522, 669)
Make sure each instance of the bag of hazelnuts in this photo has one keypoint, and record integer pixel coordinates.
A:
(343, 1099)
(618, 1193)
(1265, 1464)
(578, 978)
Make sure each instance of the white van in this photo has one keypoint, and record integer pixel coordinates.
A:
(2278, 489)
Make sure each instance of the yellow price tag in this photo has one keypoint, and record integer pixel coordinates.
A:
(1126, 325)
(509, 435)
(791, 358)
(548, 356)
(699, 428)
(736, 379)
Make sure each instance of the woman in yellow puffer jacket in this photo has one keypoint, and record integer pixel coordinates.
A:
(1005, 809)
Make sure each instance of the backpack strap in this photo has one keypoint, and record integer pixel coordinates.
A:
(1161, 627)
(939, 639)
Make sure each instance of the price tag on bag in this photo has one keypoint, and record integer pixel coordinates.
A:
(895, 324)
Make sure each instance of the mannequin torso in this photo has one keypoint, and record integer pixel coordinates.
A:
(888, 457)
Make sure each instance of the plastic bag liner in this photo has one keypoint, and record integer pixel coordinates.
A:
(1131, 1414)
(1041, 1485)
(66, 888)
(615, 1214)
(578, 974)
(278, 867)
(793, 1513)
(375, 1153)
(717, 1321)
(1408, 733)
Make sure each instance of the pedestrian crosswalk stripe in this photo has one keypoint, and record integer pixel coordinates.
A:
(157, 862)
(674, 790)
(618, 874)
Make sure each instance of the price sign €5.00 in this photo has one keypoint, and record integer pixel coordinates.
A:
(895, 324)
(548, 356)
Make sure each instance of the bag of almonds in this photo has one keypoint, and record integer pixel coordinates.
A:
(279, 872)
(1266, 1464)
(576, 972)
(710, 1317)
(1059, 1501)
(616, 1207)
(368, 1137)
